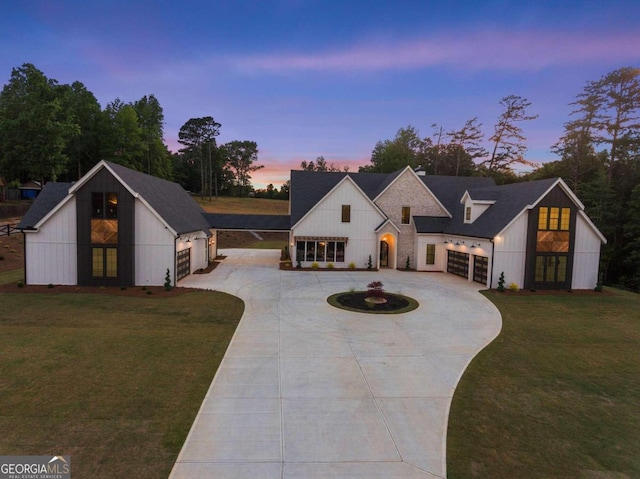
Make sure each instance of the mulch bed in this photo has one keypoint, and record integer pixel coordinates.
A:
(553, 292)
(133, 291)
(357, 301)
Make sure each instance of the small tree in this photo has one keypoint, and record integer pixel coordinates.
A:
(370, 263)
(374, 290)
(501, 283)
(407, 264)
(167, 281)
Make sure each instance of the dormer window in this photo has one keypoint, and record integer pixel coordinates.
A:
(467, 214)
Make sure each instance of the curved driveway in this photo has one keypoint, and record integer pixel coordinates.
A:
(308, 390)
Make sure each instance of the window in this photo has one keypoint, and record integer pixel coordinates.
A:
(321, 251)
(467, 214)
(104, 262)
(406, 215)
(553, 230)
(104, 235)
(346, 213)
(543, 218)
(431, 254)
(566, 217)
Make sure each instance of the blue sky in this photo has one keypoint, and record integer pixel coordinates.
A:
(305, 78)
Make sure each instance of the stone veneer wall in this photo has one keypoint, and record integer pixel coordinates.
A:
(408, 190)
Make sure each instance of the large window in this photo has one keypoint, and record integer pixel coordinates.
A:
(104, 235)
(320, 251)
(553, 230)
(406, 215)
(346, 213)
(431, 254)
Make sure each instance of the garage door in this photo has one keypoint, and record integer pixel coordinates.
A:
(458, 263)
(183, 259)
(480, 269)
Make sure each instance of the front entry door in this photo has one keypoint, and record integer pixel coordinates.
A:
(384, 254)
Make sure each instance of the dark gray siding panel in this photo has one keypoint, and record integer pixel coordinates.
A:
(104, 182)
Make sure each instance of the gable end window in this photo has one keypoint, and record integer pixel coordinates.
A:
(346, 213)
(406, 215)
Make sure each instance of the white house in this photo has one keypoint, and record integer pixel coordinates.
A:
(114, 227)
(536, 233)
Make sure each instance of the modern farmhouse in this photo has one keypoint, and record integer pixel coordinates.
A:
(114, 227)
(536, 233)
(120, 227)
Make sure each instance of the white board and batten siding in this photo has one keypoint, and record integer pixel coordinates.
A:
(154, 248)
(52, 251)
(510, 252)
(586, 256)
(421, 253)
(325, 220)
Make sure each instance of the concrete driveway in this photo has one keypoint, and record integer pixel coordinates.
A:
(308, 390)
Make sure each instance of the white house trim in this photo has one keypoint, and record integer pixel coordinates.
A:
(338, 185)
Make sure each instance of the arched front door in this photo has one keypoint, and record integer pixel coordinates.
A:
(384, 254)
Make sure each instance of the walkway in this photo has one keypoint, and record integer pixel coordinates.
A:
(308, 390)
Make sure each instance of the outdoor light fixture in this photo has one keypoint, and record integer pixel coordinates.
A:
(189, 239)
(458, 243)
(476, 245)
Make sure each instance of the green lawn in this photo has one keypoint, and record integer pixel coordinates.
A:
(556, 395)
(113, 381)
(252, 206)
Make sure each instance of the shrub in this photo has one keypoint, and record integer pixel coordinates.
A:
(123, 288)
(407, 264)
(513, 287)
(284, 254)
(149, 292)
(329, 265)
(352, 265)
(374, 290)
(598, 288)
(20, 284)
(50, 286)
(167, 281)
(315, 265)
(298, 265)
(370, 263)
(501, 282)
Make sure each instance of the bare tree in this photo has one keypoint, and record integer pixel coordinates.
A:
(508, 138)
(468, 141)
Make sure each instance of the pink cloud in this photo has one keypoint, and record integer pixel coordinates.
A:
(530, 50)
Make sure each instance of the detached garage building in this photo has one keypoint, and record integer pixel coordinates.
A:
(114, 227)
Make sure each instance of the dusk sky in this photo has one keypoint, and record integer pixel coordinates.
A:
(305, 78)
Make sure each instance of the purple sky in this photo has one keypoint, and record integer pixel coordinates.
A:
(305, 78)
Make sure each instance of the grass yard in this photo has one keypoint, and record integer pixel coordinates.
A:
(247, 206)
(113, 381)
(556, 395)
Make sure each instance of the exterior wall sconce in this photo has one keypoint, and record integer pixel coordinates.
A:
(458, 243)
(446, 241)
(189, 239)
(476, 245)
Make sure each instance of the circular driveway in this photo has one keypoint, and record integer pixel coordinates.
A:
(308, 390)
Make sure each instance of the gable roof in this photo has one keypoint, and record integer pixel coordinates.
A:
(510, 201)
(170, 201)
(51, 196)
(167, 199)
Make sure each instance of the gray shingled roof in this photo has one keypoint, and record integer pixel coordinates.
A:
(248, 222)
(49, 197)
(309, 187)
(510, 200)
(167, 198)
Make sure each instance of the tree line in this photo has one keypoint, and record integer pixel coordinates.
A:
(58, 132)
